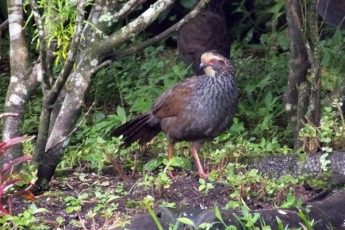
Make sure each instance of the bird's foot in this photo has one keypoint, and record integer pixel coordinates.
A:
(203, 175)
(171, 175)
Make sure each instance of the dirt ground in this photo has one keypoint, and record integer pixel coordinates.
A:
(103, 201)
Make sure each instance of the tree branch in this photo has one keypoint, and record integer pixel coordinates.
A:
(96, 68)
(60, 81)
(126, 9)
(2, 115)
(131, 29)
(91, 20)
(129, 51)
(43, 43)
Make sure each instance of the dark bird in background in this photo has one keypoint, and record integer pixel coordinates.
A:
(195, 110)
(206, 31)
(332, 12)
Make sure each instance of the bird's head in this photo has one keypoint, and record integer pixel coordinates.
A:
(213, 62)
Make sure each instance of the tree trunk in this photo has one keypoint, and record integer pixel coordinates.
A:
(23, 79)
(298, 68)
(64, 123)
(303, 95)
(314, 57)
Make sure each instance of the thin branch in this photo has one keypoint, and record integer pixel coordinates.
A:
(95, 69)
(60, 81)
(126, 9)
(43, 46)
(131, 29)
(97, 11)
(129, 51)
(82, 222)
(51, 15)
(3, 27)
(92, 19)
(2, 115)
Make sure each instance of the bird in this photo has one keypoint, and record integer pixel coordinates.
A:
(206, 31)
(195, 110)
(332, 12)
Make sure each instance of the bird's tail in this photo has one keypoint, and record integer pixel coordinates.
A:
(138, 129)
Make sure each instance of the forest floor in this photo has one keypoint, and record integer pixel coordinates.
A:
(84, 200)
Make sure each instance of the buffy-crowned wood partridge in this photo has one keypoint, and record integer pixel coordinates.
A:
(195, 110)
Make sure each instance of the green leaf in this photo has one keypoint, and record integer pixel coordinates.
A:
(181, 162)
(218, 214)
(153, 164)
(185, 220)
(279, 223)
(121, 113)
(98, 116)
(205, 225)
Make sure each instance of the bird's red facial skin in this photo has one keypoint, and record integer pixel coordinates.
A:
(212, 61)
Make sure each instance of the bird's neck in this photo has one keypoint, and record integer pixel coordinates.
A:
(210, 72)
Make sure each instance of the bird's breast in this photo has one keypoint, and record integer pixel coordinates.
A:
(206, 114)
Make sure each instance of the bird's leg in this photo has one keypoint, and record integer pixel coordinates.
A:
(194, 148)
(170, 156)
(170, 151)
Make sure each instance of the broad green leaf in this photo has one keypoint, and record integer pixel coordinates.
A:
(181, 162)
(153, 164)
(185, 220)
(121, 113)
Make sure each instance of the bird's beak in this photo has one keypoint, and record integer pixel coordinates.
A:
(202, 65)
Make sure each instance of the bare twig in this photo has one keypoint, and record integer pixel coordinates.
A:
(82, 222)
(129, 51)
(71, 187)
(95, 69)
(43, 43)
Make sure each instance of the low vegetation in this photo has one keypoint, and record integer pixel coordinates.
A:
(100, 185)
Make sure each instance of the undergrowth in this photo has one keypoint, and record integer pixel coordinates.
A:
(128, 87)
(119, 95)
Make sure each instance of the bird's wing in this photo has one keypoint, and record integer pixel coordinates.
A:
(172, 101)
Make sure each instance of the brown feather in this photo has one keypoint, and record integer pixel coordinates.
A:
(171, 102)
(139, 129)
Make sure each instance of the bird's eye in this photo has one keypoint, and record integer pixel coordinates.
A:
(212, 61)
